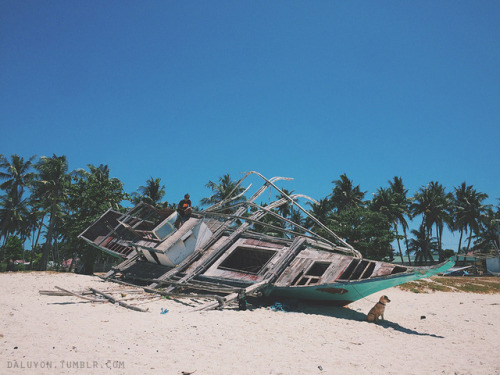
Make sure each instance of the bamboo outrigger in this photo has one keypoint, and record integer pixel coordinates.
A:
(219, 251)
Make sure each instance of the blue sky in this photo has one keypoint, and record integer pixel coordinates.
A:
(188, 91)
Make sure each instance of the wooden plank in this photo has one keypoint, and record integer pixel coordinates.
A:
(233, 296)
(80, 296)
(112, 300)
(286, 259)
(61, 293)
(126, 263)
(193, 284)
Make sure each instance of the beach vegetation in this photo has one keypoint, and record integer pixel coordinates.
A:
(46, 206)
(224, 189)
(480, 285)
(368, 231)
(393, 206)
(151, 193)
(91, 193)
(50, 189)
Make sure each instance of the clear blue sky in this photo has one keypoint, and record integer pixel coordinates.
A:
(190, 90)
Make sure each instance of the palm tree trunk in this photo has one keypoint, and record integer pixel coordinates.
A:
(48, 242)
(31, 258)
(460, 243)
(38, 236)
(2, 248)
(439, 233)
(406, 241)
(470, 239)
(399, 245)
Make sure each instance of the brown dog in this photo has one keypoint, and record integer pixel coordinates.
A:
(377, 311)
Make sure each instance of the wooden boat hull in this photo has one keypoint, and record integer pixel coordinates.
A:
(344, 293)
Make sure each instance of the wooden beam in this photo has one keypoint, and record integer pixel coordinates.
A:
(80, 296)
(112, 300)
(252, 289)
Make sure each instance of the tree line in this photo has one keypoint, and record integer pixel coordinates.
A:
(44, 204)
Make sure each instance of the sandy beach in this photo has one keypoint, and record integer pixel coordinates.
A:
(435, 333)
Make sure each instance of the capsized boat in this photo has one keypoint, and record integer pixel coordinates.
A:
(239, 248)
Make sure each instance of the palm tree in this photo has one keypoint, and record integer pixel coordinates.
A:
(398, 192)
(434, 204)
(226, 188)
(385, 203)
(297, 218)
(152, 193)
(13, 217)
(440, 212)
(13, 213)
(321, 211)
(422, 245)
(34, 225)
(488, 237)
(468, 211)
(285, 209)
(50, 190)
(89, 196)
(16, 174)
(345, 194)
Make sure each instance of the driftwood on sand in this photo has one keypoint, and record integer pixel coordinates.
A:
(81, 296)
(114, 301)
(101, 296)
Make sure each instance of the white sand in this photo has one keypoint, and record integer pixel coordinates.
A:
(459, 335)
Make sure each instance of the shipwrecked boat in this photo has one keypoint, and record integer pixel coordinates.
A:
(224, 250)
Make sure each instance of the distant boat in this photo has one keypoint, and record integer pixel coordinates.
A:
(219, 250)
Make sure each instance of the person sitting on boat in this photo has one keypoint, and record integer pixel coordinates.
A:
(184, 210)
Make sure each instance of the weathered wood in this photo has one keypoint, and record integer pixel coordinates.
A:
(126, 263)
(86, 292)
(215, 237)
(229, 241)
(61, 293)
(112, 300)
(286, 259)
(193, 284)
(80, 296)
(252, 289)
(190, 259)
(270, 276)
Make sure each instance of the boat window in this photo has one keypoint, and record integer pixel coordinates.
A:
(369, 270)
(359, 270)
(166, 228)
(248, 260)
(318, 269)
(348, 271)
(296, 280)
(303, 281)
(313, 274)
(398, 269)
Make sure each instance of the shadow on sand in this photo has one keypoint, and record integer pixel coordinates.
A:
(350, 314)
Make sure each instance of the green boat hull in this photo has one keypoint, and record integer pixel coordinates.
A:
(344, 293)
